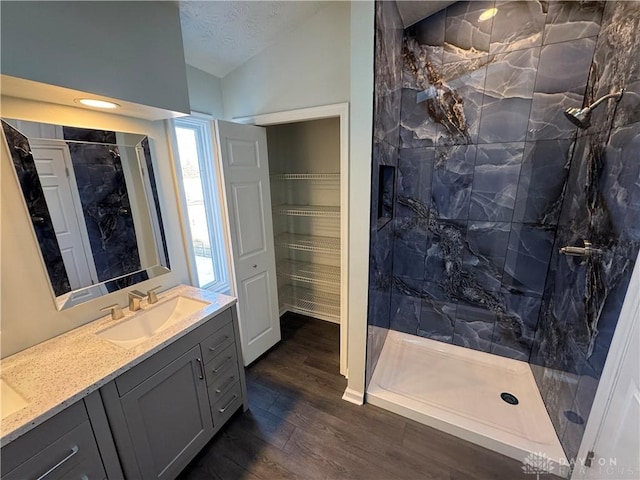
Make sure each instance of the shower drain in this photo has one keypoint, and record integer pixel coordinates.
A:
(509, 398)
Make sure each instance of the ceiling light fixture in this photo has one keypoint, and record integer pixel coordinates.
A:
(487, 14)
(91, 102)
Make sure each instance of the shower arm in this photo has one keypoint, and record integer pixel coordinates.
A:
(617, 95)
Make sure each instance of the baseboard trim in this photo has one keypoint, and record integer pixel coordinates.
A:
(353, 396)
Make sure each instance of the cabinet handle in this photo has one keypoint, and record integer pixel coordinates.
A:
(221, 410)
(224, 339)
(226, 360)
(226, 384)
(74, 450)
(201, 376)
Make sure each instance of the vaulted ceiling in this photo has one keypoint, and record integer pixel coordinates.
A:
(219, 36)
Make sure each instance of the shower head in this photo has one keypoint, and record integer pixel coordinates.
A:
(581, 117)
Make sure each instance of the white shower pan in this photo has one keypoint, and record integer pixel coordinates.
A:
(458, 390)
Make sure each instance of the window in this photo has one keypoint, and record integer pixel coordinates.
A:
(199, 190)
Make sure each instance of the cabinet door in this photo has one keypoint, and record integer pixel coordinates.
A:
(168, 417)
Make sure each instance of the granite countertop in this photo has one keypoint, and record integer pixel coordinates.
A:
(57, 373)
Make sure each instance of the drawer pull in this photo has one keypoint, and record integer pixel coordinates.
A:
(226, 384)
(221, 410)
(201, 376)
(219, 367)
(217, 345)
(74, 450)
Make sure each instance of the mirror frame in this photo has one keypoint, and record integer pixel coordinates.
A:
(36, 208)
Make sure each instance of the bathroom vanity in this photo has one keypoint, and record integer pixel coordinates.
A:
(125, 398)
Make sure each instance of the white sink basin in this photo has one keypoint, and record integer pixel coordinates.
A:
(146, 323)
(11, 401)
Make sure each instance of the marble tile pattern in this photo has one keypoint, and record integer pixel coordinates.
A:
(388, 71)
(107, 211)
(583, 297)
(478, 197)
(37, 209)
(387, 102)
(493, 180)
(57, 373)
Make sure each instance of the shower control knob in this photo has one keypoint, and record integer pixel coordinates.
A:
(585, 251)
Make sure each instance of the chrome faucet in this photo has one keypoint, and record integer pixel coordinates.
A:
(135, 297)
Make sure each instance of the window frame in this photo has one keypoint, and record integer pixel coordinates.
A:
(203, 127)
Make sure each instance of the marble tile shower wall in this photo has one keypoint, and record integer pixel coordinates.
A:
(583, 297)
(388, 84)
(105, 201)
(484, 154)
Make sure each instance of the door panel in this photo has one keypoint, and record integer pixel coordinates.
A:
(58, 192)
(257, 288)
(242, 153)
(249, 219)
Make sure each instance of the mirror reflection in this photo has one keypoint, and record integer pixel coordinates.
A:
(93, 203)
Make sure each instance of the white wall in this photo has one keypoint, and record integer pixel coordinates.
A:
(361, 133)
(306, 67)
(126, 50)
(27, 312)
(205, 92)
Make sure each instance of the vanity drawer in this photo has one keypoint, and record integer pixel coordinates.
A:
(221, 364)
(73, 456)
(222, 409)
(209, 330)
(216, 343)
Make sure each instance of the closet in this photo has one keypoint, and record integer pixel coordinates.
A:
(304, 168)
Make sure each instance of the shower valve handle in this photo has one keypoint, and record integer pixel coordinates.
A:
(585, 251)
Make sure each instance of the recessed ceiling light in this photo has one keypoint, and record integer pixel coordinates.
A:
(91, 102)
(487, 14)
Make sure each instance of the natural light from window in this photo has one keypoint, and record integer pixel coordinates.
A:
(192, 181)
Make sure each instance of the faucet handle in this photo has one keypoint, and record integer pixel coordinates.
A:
(152, 296)
(116, 311)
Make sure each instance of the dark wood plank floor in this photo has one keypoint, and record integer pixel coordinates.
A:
(298, 427)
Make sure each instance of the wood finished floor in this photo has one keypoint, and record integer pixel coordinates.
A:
(298, 427)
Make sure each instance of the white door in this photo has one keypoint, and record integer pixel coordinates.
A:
(242, 152)
(616, 448)
(52, 171)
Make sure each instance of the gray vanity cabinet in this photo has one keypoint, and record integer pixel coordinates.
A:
(168, 416)
(63, 447)
(162, 413)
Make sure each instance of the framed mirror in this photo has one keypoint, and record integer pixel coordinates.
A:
(92, 199)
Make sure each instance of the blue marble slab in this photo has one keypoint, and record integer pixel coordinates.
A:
(570, 20)
(474, 327)
(438, 314)
(495, 181)
(406, 303)
(452, 181)
(415, 169)
(564, 67)
(388, 72)
(466, 34)
(504, 119)
(541, 184)
(527, 259)
(528, 16)
(409, 249)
